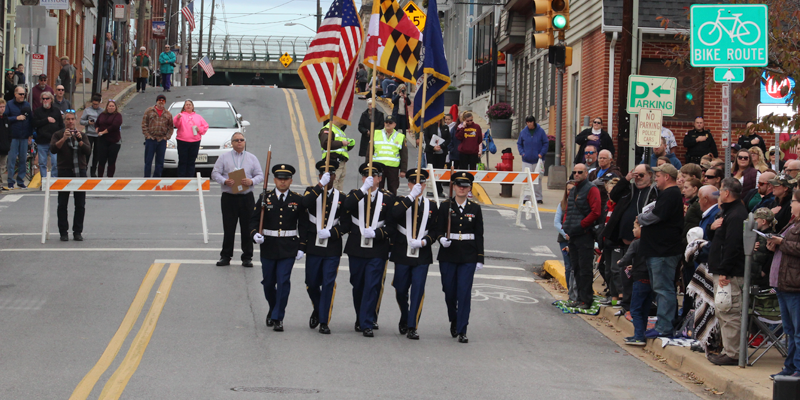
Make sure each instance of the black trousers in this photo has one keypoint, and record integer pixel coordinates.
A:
(63, 202)
(237, 208)
(391, 178)
(581, 255)
(94, 156)
(468, 161)
(141, 84)
(106, 153)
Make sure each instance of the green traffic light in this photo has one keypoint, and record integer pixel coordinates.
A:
(689, 96)
(559, 22)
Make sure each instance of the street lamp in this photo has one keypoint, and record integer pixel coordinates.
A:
(295, 23)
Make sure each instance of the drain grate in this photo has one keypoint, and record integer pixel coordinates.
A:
(267, 389)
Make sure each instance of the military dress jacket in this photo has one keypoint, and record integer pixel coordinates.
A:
(384, 229)
(280, 218)
(463, 224)
(402, 212)
(339, 227)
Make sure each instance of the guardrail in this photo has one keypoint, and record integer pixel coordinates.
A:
(254, 48)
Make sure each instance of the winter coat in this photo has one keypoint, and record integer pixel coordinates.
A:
(789, 272)
(696, 150)
(19, 129)
(364, 124)
(167, 61)
(141, 66)
(44, 128)
(606, 143)
(726, 255)
(532, 145)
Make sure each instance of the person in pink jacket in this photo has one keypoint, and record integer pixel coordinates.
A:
(191, 128)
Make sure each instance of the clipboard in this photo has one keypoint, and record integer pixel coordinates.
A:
(237, 176)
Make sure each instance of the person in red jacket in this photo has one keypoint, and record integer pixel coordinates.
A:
(471, 137)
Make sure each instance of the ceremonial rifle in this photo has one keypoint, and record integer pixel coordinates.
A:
(264, 195)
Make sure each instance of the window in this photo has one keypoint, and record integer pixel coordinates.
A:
(745, 106)
(690, 86)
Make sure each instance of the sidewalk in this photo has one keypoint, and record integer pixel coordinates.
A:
(750, 383)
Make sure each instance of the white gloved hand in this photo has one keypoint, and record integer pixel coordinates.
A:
(259, 238)
(326, 178)
(369, 233)
(300, 254)
(415, 191)
(324, 233)
(417, 244)
(445, 242)
(367, 184)
(478, 266)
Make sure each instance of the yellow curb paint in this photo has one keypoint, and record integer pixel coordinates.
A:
(297, 144)
(516, 206)
(480, 194)
(86, 384)
(116, 384)
(556, 269)
(301, 122)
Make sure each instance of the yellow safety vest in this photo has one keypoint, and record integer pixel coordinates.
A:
(338, 135)
(387, 150)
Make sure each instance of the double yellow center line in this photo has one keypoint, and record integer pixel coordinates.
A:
(116, 384)
(306, 163)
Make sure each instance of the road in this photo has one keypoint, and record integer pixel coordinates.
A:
(139, 310)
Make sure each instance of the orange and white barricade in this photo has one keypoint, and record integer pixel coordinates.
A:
(124, 185)
(525, 178)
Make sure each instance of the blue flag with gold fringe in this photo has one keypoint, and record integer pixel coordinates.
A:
(434, 63)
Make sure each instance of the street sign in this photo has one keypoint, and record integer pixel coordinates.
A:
(652, 92)
(37, 64)
(119, 12)
(648, 132)
(416, 15)
(774, 91)
(777, 110)
(725, 75)
(729, 35)
(286, 59)
(55, 4)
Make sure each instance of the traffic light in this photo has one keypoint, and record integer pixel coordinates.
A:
(560, 56)
(552, 15)
(560, 15)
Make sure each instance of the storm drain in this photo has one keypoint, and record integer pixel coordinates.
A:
(267, 389)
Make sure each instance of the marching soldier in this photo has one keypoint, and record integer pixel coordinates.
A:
(368, 245)
(323, 244)
(280, 240)
(411, 256)
(340, 145)
(461, 253)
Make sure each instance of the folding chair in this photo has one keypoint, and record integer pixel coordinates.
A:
(765, 316)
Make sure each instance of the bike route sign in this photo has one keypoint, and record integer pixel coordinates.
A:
(729, 35)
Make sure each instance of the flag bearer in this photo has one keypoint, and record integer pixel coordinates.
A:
(323, 244)
(411, 251)
(461, 253)
(368, 245)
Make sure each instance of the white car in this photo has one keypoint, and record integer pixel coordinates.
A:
(223, 121)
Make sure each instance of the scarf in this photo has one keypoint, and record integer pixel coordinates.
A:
(75, 164)
(596, 131)
(702, 289)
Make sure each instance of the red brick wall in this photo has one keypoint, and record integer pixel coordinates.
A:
(70, 42)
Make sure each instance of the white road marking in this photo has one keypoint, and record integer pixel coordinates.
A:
(507, 214)
(542, 251)
(10, 198)
(21, 304)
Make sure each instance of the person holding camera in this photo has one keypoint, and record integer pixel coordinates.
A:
(73, 150)
(167, 60)
(400, 110)
(88, 119)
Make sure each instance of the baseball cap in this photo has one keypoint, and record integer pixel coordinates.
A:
(668, 169)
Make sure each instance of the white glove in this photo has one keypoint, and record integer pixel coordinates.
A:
(367, 184)
(445, 242)
(326, 178)
(415, 191)
(417, 244)
(369, 233)
(300, 254)
(478, 266)
(324, 233)
(259, 238)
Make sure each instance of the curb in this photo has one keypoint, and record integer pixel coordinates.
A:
(123, 93)
(556, 269)
(480, 194)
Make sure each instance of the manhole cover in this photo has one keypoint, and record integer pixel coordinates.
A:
(267, 389)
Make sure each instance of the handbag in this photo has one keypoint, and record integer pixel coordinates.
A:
(490, 146)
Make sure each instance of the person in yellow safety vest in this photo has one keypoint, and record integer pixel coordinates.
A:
(390, 150)
(340, 145)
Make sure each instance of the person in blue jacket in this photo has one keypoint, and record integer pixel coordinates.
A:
(18, 112)
(532, 145)
(661, 151)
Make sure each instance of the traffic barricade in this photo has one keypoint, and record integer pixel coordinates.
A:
(115, 185)
(525, 178)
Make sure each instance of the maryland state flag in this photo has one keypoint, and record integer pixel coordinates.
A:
(433, 63)
(393, 41)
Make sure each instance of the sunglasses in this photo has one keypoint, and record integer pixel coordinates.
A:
(763, 183)
(588, 152)
(598, 122)
(640, 175)
(579, 172)
(237, 140)
(47, 98)
(743, 158)
(70, 111)
(60, 90)
(710, 176)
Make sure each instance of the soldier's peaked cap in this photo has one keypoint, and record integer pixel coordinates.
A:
(333, 165)
(377, 169)
(462, 178)
(283, 171)
(417, 177)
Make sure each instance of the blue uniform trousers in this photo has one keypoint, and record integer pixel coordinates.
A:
(321, 284)
(413, 277)
(366, 276)
(276, 284)
(457, 288)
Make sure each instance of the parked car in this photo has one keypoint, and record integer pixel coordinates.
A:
(223, 121)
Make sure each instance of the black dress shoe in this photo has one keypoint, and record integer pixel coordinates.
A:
(357, 327)
(247, 264)
(412, 334)
(278, 326)
(453, 332)
(462, 338)
(269, 320)
(368, 333)
(65, 238)
(313, 321)
(323, 329)
(375, 326)
(403, 328)
(77, 237)
(224, 261)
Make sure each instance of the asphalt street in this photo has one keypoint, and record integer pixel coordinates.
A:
(139, 310)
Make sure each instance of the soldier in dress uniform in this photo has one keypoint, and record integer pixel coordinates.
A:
(280, 240)
(461, 253)
(411, 251)
(368, 245)
(323, 244)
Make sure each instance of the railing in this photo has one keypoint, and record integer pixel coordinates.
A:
(484, 78)
(255, 48)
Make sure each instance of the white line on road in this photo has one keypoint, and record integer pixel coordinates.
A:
(10, 198)
(302, 262)
(542, 251)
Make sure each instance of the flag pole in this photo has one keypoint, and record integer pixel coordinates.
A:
(328, 149)
(420, 146)
(371, 143)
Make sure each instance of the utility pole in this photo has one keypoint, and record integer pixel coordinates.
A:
(183, 48)
(319, 15)
(140, 24)
(97, 68)
(200, 46)
(623, 119)
(210, 27)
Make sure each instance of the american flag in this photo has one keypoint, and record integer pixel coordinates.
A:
(188, 13)
(337, 42)
(205, 64)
